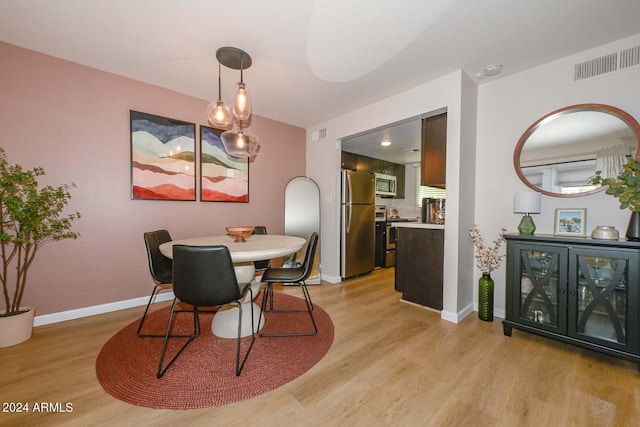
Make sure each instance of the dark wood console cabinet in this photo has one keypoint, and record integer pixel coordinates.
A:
(420, 265)
(580, 291)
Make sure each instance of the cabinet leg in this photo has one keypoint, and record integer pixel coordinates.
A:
(507, 331)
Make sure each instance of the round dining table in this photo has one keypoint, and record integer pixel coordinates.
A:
(256, 247)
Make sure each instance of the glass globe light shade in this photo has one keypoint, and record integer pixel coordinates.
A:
(218, 114)
(240, 144)
(242, 105)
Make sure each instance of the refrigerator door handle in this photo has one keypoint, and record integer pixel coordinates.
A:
(350, 190)
(349, 211)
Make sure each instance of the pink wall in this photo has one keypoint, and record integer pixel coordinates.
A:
(74, 122)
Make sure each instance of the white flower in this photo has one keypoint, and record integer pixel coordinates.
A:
(487, 258)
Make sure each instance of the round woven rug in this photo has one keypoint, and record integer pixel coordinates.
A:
(204, 374)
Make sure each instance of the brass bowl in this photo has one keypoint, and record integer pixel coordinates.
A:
(240, 232)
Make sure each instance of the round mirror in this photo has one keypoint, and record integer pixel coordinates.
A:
(558, 153)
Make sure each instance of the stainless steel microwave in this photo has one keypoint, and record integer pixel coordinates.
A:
(385, 185)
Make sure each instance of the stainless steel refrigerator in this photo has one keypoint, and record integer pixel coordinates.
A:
(357, 252)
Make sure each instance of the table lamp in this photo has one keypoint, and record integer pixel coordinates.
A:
(527, 202)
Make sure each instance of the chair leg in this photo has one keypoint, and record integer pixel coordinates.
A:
(268, 296)
(146, 310)
(156, 291)
(196, 333)
(253, 335)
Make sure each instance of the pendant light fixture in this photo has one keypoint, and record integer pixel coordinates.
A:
(218, 113)
(237, 143)
(240, 144)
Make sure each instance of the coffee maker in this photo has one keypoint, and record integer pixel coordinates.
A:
(433, 210)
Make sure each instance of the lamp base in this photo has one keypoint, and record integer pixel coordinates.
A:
(526, 226)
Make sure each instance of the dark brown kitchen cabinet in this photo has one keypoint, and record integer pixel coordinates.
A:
(348, 161)
(576, 290)
(420, 265)
(363, 163)
(383, 167)
(434, 151)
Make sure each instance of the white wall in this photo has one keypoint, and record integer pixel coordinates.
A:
(323, 165)
(506, 108)
(483, 127)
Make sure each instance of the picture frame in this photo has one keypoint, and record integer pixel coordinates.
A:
(223, 178)
(162, 158)
(570, 222)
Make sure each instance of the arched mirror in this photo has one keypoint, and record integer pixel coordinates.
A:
(301, 218)
(558, 153)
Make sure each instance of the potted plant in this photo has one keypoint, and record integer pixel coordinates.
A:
(626, 188)
(29, 218)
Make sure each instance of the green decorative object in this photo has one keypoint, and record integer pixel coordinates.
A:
(485, 298)
(526, 226)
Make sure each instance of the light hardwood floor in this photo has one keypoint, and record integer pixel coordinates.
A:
(391, 364)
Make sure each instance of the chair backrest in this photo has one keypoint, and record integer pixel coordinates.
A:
(160, 266)
(204, 275)
(261, 264)
(260, 229)
(309, 256)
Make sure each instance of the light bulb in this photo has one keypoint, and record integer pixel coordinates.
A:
(242, 105)
(218, 114)
(240, 140)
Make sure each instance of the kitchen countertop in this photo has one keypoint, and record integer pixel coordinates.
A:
(418, 225)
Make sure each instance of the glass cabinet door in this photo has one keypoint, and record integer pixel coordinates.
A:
(599, 303)
(542, 277)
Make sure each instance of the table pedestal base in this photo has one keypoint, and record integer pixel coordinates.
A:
(225, 321)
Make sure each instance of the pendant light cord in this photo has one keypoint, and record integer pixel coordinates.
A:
(219, 84)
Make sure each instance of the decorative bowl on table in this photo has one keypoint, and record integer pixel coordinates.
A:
(240, 232)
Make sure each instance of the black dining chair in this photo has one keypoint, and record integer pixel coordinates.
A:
(290, 276)
(161, 269)
(203, 276)
(261, 265)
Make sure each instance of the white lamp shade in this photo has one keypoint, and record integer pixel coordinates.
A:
(527, 202)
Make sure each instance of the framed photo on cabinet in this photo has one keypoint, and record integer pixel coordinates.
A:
(570, 222)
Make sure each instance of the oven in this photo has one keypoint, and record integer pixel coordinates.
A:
(390, 245)
(391, 238)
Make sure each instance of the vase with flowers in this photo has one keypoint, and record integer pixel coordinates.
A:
(488, 258)
(626, 188)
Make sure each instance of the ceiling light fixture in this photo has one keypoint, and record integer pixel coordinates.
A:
(236, 143)
(385, 143)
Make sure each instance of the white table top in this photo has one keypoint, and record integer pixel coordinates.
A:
(256, 247)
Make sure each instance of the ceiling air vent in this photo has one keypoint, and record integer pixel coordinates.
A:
(595, 67)
(630, 57)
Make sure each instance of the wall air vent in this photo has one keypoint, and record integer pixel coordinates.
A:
(595, 67)
(319, 134)
(630, 57)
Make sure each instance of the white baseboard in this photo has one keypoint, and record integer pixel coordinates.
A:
(331, 279)
(457, 317)
(63, 316)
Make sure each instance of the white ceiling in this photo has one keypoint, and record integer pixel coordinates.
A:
(312, 59)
